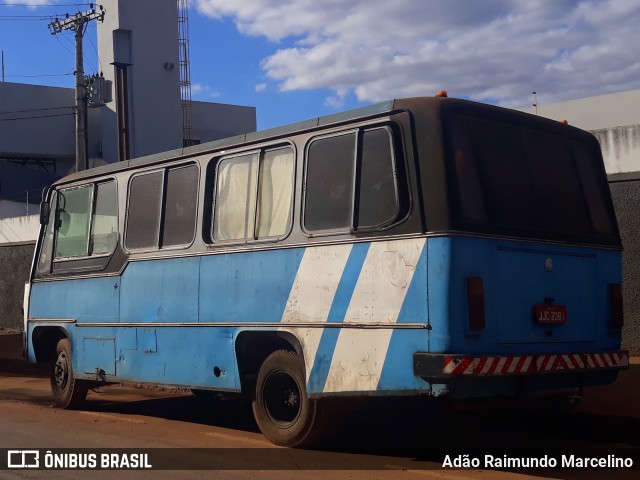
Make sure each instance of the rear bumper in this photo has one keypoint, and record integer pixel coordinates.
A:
(450, 366)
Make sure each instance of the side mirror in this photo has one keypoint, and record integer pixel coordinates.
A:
(45, 210)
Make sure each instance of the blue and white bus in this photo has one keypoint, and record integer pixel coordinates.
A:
(423, 246)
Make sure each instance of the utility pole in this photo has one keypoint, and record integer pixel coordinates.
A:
(78, 24)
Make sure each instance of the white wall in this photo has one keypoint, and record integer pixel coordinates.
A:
(19, 229)
(213, 121)
(155, 106)
(47, 136)
(620, 148)
(53, 135)
(15, 209)
(594, 113)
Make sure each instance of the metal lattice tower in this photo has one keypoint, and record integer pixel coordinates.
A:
(184, 65)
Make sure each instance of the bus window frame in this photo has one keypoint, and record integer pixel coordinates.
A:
(260, 151)
(60, 194)
(57, 221)
(158, 247)
(357, 162)
(80, 263)
(52, 202)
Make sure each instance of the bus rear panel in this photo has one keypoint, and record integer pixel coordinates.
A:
(532, 300)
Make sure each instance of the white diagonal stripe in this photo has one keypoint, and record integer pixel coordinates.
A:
(525, 365)
(312, 294)
(598, 360)
(472, 366)
(378, 297)
(514, 364)
(487, 365)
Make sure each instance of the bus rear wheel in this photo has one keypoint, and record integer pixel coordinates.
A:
(68, 392)
(285, 414)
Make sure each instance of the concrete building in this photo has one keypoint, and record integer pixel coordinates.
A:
(38, 122)
(141, 39)
(37, 134)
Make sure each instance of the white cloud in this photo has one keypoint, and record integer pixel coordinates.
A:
(203, 91)
(261, 87)
(32, 3)
(496, 50)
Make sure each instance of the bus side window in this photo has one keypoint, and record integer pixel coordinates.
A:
(162, 208)
(73, 214)
(235, 198)
(87, 221)
(254, 195)
(180, 208)
(329, 183)
(275, 193)
(351, 181)
(143, 217)
(377, 196)
(104, 224)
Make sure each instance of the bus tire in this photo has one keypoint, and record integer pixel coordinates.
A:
(68, 392)
(284, 412)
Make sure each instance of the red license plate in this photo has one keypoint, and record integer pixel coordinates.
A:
(550, 314)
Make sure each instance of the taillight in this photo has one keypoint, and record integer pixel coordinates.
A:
(617, 312)
(475, 302)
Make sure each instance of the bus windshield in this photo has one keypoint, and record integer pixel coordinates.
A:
(516, 180)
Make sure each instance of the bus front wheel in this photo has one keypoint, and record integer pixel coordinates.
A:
(285, 414)
(68, 392)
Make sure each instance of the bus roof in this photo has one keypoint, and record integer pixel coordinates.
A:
(236, 141)
(382, 108)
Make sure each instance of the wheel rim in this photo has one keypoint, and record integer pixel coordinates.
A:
(61, 371)
(282, 399)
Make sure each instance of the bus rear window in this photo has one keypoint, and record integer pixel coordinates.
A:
(526, 181)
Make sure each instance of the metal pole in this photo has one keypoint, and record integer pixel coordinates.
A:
(122, 111)
(3, 65)
(81, 133)
(77, 23)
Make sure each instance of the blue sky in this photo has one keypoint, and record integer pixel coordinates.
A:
(299, 59)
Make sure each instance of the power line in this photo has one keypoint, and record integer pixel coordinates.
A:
(24, 18)
(91, 64)
(5, 112)
(6, 4)
(96, 50)
(36, 117)
(41, 75)
(64, 46)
